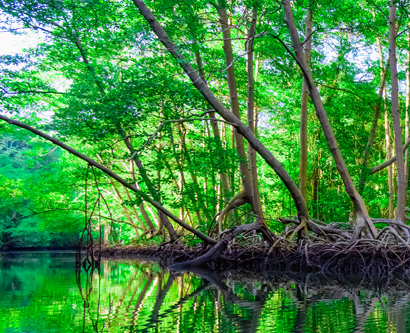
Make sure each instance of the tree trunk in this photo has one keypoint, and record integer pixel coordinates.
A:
(256, 201)
(127, 213)
(376, 115)
(155, 194)
(246, 177)
(304, 114)
(215, 128)
(363, 218)
(390, 167)
(406, 135)
(225, 114)
(111, 174)
(398, 140)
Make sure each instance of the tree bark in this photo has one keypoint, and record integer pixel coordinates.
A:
(304, 112)
(390, 167)
(398, 140)
(363, 218)
(256, 200)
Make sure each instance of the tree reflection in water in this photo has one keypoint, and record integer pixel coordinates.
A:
(141, 297)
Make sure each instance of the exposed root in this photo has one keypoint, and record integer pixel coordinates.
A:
(329, 248)
(237, 201)
(221, 246)
(364, 256)
(328, 232)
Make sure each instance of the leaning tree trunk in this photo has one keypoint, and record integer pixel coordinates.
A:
(304, 113)
(225, 113)
(111, 174)
(398, 140)
(150, 186)
(363, 218)
(239, 127)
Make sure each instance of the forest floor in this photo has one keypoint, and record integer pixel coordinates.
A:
(361, 257)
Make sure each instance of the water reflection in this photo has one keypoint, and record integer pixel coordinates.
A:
(40, 292)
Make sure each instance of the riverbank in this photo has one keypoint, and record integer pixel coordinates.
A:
(139, 296)
(358, 258)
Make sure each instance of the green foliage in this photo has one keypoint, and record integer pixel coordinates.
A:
(26, 163)
(100, 69)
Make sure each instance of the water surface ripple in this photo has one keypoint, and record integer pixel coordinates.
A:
(41, 292)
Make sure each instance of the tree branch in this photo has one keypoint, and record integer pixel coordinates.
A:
(110, 173)
(222, 110)
(388, 162)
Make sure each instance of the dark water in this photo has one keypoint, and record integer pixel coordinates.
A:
(40, 292)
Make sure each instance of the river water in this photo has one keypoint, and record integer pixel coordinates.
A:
(41, 292)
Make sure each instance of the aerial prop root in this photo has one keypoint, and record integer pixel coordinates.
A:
(91, 258)
(328, 232)
(332, 234)
(226, 238)
(237, 201)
